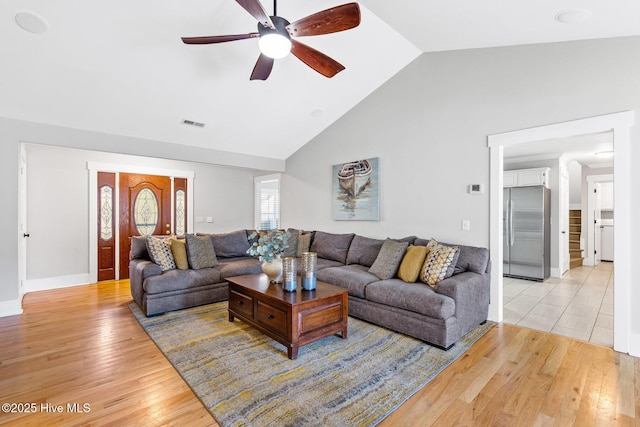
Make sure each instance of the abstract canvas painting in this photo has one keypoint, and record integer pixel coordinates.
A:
(355, 191)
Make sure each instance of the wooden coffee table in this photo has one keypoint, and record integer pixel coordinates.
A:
(294, 319)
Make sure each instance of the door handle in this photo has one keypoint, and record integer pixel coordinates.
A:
(511, 206)
(25, 235)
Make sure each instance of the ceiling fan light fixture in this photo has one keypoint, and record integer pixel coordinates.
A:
(274, 45)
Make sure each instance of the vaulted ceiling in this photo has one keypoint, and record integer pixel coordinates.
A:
(120, 67)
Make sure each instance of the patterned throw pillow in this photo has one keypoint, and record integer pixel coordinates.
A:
(386, 264)
(160, 252)
(179, 251)
(200, 252)
(412, 263)
(437, 263)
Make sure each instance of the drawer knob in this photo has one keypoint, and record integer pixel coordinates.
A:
(271, 317)
(241, 302)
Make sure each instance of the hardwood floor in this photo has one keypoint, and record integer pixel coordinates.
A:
(82, 345)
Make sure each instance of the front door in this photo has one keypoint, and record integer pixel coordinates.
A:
(145, 209)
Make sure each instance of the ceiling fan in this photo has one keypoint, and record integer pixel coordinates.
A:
(276, 36)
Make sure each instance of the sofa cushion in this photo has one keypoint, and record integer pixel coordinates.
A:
(139, 248)
(364, 250)
(322, 263)
(160, 252)
(179, 251)
(415, 297)
(388, 260)
(353, 277)
(412, 262)
(332, 246)
(438, 265)
(229, 245)
(175, 280)
(238, 266)
(200, 252)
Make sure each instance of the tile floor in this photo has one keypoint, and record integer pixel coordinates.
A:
(578, 305)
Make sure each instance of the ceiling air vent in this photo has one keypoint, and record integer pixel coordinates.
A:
(192, 123)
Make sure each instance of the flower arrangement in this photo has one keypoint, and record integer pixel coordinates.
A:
(270, 245)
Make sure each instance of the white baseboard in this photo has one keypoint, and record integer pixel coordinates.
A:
(555, 272)
(56, 282)
(11, 307)
(575, 206)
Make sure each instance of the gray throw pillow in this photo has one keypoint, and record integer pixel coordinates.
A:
(200, 252)
(292, 249)
(386, 264)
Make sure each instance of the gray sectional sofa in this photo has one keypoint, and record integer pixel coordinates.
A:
(439, 315)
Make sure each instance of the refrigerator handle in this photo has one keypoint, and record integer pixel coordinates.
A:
(511, 234)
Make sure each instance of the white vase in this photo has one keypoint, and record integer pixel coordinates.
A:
(273, 269)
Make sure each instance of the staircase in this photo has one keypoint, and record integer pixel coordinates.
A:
(575, 229)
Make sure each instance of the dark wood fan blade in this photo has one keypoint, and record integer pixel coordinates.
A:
(217, 39)
(317, 60)
(262, 68)
(332, 20)
(257, 11)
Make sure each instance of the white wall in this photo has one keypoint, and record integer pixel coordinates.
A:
(575, 185)
(429, 126)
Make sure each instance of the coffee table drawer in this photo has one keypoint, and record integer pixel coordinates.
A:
(320, 317)
(241, 304)
(272, 318)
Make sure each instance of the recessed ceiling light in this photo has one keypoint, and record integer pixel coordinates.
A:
(31, 22)
(573, 16)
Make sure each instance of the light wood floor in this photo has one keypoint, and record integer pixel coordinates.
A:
(82, 345)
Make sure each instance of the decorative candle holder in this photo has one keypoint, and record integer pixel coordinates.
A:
(290, 274)
(308, 273)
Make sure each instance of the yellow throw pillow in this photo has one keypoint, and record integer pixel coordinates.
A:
(412, 263)
(179, 250)
(437, 262)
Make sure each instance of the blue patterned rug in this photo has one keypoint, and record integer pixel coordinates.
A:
(244, 378)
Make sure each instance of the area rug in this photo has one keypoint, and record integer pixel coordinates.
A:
(244, 378)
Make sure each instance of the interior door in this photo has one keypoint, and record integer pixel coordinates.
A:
(597, 222)
(145, 209)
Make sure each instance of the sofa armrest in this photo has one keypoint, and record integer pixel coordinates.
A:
(470, 291)
(140, 269)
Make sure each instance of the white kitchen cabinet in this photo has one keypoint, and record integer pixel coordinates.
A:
(526, 177)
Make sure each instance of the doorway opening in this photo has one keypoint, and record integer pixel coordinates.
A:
(620, 124)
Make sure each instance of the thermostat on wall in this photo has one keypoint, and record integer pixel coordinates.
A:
(476, 189)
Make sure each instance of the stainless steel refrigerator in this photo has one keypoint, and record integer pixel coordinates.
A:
(527, 232)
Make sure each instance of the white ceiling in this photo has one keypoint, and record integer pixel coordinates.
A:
(119, 67)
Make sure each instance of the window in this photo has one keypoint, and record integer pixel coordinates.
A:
(267, 202)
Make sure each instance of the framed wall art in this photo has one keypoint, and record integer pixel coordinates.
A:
(355, 191)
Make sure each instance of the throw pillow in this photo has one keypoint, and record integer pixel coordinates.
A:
(304, 243)
(160, 252)
(179, 251)
(292, 242)
(412, 263)
(364, 250)
(388, 260)
(438, 263)
(200, 252)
